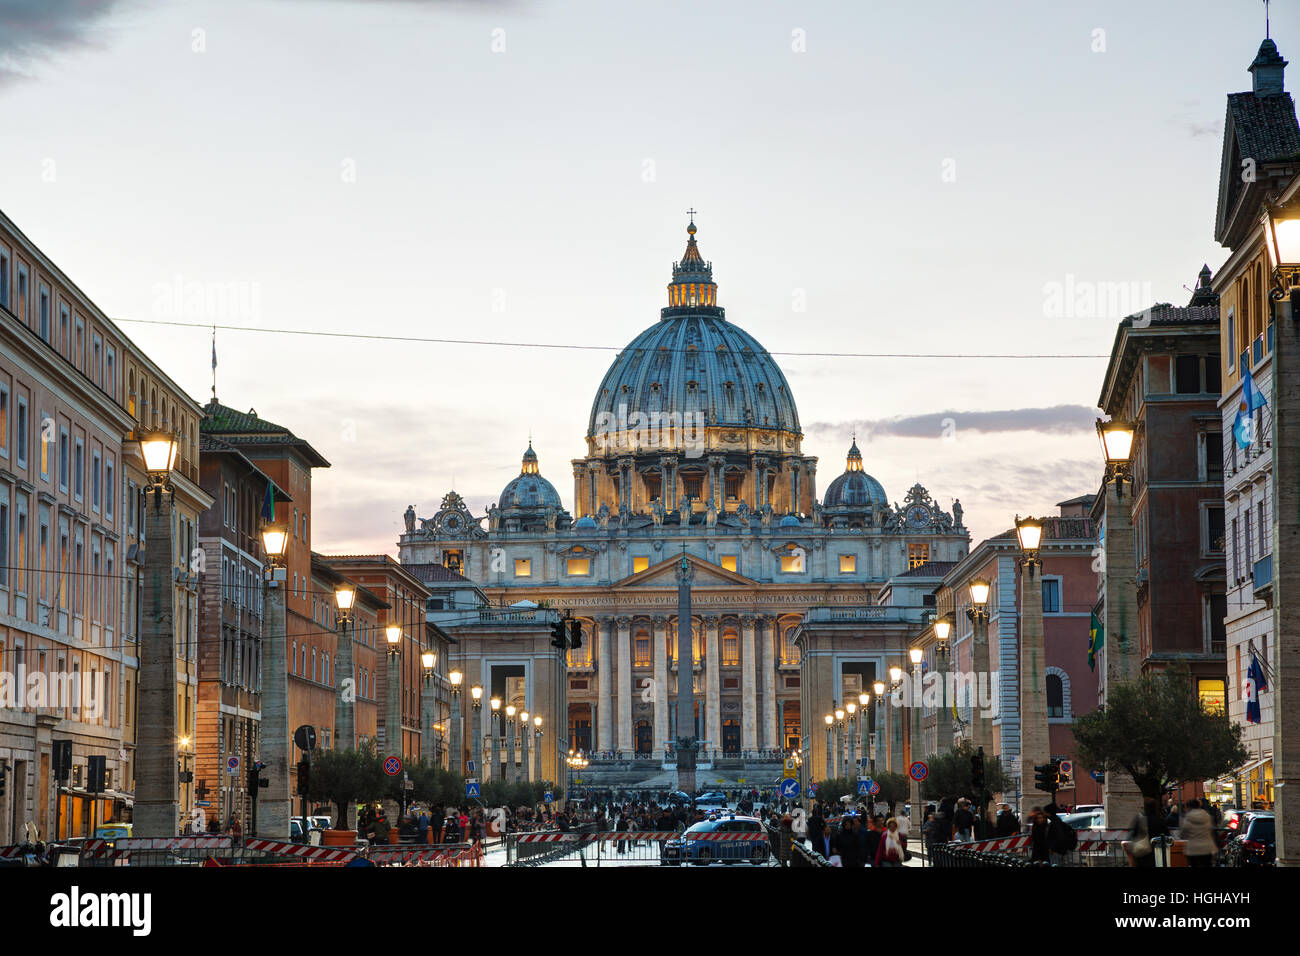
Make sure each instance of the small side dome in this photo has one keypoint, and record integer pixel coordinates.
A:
(586, 521)
(790, 521)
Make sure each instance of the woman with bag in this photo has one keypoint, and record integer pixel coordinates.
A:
(1140, 842)
(890, 852)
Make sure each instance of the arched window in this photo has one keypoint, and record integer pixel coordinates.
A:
(1055, 696)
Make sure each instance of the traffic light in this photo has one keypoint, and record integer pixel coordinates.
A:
(559, 635)
(3, 768)
(98, 773)
(304, 777)
(977, 771)
(1045, 777)
(62, 760)
(575, 634)
(255, 781)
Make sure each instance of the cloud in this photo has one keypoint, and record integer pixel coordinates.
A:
(33, 30)
(1059, 419)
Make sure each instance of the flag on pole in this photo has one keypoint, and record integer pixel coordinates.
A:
(1243, 427)
(1255, 683)
(268, 504)
(1096, 637)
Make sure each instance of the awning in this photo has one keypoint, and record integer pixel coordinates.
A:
(1252, 766)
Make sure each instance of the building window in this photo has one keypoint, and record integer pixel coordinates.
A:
(523, 567)
(792, 563)
(1213, 695)
(1051, 595)
(4, 540)
(1216, 609)
(578, 567)
(43, 304)
(4, 421)
(79, 463)
(63, 459)
(1055, 696)
(730, 648)
(640, 564)
(917, 555)
(728, 562)
(642, 658)
(1187, 374)
(108, 489)
(63, 329)
(1212, 543)
(95, 480)
(848, 563)
(789, 651)
(1212, 456)
(4, 278)
(20, 433)
(24, 306)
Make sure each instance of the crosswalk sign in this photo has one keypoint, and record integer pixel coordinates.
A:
(548, 797)
(471, 788)
(864, 786)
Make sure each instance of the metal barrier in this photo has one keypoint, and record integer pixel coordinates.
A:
(255, 851)
(616, 847)
(1094, 848)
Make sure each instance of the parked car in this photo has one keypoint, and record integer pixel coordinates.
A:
(1253, 844)
(112, 832)
(1086, 820)
(1089, 808)
(689, 848)
(711, 798)
(320, 823)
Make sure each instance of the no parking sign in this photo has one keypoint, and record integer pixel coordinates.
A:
(918, 771)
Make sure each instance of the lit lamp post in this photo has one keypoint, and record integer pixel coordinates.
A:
(456, 756)
(476, 727)
(345, 712)
(276, 804)
(393, 725)
(895, 721)
(851, 708)
(839, 742)
(830, 735)
(879, 688)
(1119, 655)
(537, 748)
(156, 797)
(523, 746)
(981, 723)
(496, 739)
(1035, 743)
(511, 774)
(914, 732)
(428, 707)
(943, 657)
(1283, 231)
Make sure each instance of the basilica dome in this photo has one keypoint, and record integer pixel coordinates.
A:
(694, 362)
(530, 489)
(855, 488)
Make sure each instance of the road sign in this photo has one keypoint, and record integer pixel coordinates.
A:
(875, 788)
(469, 766)
(548, 797)
(305, 737)
(1098, 775)
(393, 766)
(789, 788)
(812, 788)
(471, 788)
(918, 771)
(740, 780)
(203, 803)
(791, 769)
(232, 764)
(864, 786)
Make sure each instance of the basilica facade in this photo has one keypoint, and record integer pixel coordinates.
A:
(693, 449)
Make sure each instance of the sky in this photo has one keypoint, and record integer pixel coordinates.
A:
(908, 180)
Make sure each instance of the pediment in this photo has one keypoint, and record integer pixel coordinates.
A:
(664, 574)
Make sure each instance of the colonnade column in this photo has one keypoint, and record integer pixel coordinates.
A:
(748, 690)
(767, 662)
(659, 634)
(624, 685)
(604, 687)
(712, 685)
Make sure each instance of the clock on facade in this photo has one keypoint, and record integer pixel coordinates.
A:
(918, 514)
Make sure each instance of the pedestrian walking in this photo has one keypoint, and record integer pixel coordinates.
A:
(891, 850)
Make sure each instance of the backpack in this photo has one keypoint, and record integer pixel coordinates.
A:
(1063, 837)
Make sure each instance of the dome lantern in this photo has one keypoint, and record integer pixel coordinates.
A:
(692, 286)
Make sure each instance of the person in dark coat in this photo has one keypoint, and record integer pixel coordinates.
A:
(845, 843)
(1038, 849)
(1007, 824)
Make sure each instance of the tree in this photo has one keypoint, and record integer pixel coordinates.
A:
(950, 775)
(1155, 730)
(343, 777)
(829, 792)
(895, 788)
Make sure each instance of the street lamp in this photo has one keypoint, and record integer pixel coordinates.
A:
(512, 773)
(839, 743)
(1117, 446)
(1035, 743)
(455, 756)
(476, 725)
(537, 747)
(523, 745)
(275, 806)
(830, 736)
(428, 707)
(345, 719)
(157, 795)
(978, 612)
(275, 542)
(495, 703)
(879, 688)
(1283, 231)
(851, 708)
(914, 726)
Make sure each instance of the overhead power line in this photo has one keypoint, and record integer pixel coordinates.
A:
(431, 340)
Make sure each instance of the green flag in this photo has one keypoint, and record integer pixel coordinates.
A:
(1096, 637)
